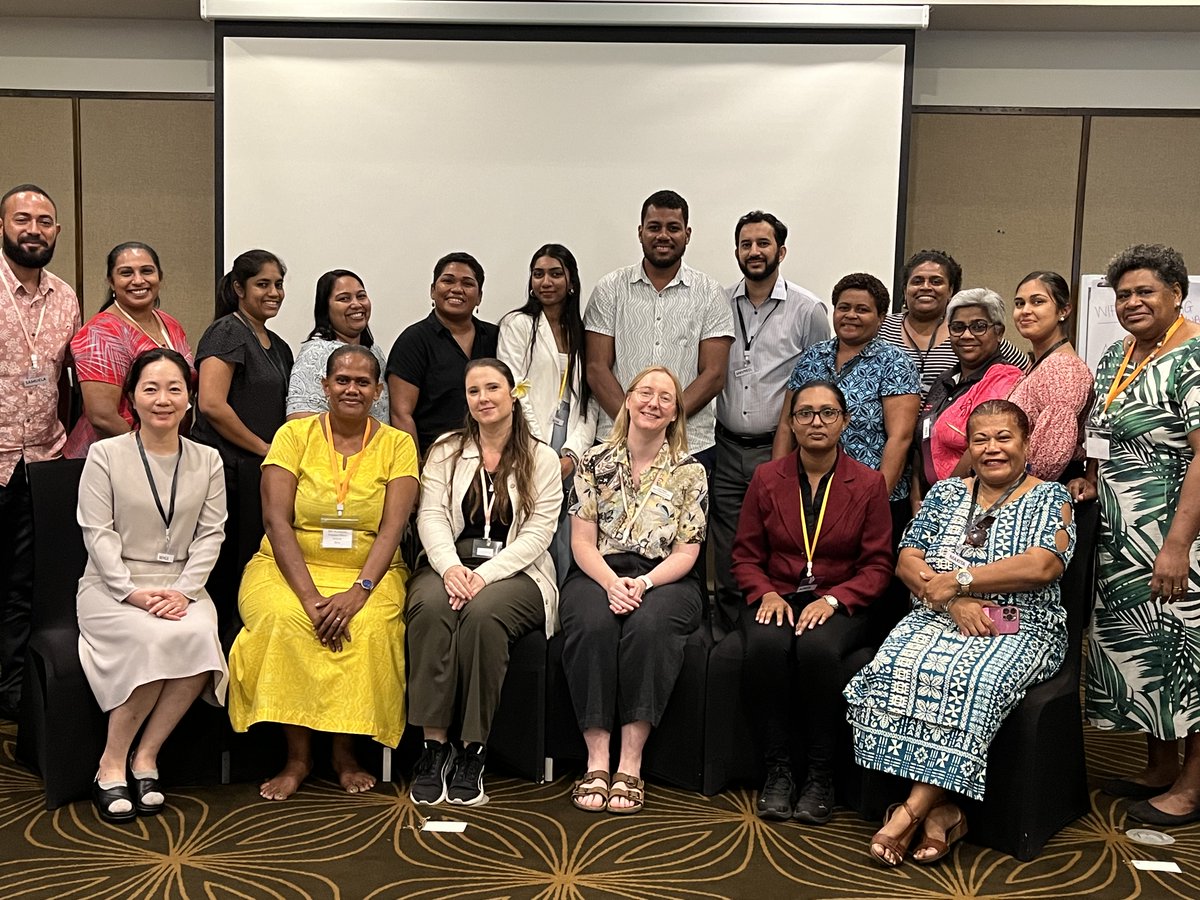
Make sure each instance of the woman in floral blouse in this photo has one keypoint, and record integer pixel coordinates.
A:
(633, 596)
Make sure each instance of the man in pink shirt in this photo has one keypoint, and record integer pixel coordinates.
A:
(39, 314)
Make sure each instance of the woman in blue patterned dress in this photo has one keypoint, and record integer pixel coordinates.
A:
(1143, 669)
(927, 707)
(881, 384)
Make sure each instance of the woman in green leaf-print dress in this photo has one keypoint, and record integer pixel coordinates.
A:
(1143, 669)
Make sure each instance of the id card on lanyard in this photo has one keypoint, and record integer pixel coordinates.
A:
(337, 531)
(34, 377)
(485, 547)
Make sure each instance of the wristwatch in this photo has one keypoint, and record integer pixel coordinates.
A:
(366, 584)
(645, 579)
(964, 578)
(832, 601)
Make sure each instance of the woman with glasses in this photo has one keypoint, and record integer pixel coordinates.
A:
(976, 325)
(633, 596)
(982, 559)
(1143, 442)
(813, 551)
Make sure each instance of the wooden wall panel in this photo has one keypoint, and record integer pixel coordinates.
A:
(997, 192)
(37, 146)
(148, 176)
(1143, 186)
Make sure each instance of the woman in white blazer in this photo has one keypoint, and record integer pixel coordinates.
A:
(490, 500)
(543, 343)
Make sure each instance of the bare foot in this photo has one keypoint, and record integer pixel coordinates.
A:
(352, 777)
(287, 782)
(938, 823)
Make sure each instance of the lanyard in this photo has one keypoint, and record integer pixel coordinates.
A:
(1037, 362)
(487, 500)
(637, 508)
(136, 324)
(921, 354)
(562, 384)
(810, 545)
(30, 340)
(747, 338)
(1118, 385)
(343, 474)
(168, 515)
(973, 526)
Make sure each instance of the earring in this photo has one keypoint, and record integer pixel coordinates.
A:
(1062, 318)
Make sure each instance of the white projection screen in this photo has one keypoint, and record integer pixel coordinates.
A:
(380, 155)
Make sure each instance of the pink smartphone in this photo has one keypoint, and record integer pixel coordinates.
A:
(1007, 619)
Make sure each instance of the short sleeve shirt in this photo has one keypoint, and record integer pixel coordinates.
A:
(879, 370)
(305, 394)
(653, 328)
(258, 391)
(669, 506)
(427, 356)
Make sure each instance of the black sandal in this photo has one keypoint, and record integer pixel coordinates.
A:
(140, 787)
(103, 798)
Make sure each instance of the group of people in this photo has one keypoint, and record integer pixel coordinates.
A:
(559, 467)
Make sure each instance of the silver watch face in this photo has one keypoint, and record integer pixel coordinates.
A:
(964, 577)
(832, 601)
(367, 583)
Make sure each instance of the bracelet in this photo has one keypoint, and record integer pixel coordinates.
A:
(949, 603)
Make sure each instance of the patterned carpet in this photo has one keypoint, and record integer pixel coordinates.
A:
(223, 842)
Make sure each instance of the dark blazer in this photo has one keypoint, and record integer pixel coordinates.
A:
(853, 560)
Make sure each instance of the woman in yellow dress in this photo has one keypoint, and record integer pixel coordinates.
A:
(322, 648)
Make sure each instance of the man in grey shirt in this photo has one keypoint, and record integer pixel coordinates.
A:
(660, 312)
(774, 322)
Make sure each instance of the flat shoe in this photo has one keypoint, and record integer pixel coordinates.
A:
(954, 834)
(632, 789)
(1143, 811)
(579, 792)
(1123, 787)
(898, 846)
(103, 798)
(139, 788)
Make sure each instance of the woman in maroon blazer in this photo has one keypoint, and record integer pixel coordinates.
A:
(813, 551)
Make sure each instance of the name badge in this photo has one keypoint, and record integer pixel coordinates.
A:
(337, 538)
(954, 561)
(558, 420)
(661, 491)
(926, 428)
(483, 548)
(807, 584)
(165, 557)
(1096, 443)
(34, 379)
(744, 372)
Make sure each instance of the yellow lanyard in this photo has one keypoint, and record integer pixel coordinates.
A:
(1118, 385)
(562, 386)
(343, 477)
(810, 547)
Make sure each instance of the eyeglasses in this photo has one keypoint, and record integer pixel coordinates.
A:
(977, 536)
(976, 326)
(828, 414)
(645, 395)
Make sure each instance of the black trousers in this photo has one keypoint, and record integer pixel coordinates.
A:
(792, 684)
(625, 664)
(16, 584)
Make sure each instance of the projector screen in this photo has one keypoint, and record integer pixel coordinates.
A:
(381, 155)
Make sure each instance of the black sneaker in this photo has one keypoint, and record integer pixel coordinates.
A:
(431, 773)
(466, 784)
(815, 805)
(775, 798)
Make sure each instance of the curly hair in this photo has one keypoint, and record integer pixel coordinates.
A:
(941, 258)
(1165, 262)
(863, 281)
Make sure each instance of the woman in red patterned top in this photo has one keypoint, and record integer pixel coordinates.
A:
(1057, 391)
(128, 323)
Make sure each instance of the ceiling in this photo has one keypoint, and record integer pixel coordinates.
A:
(972, 15)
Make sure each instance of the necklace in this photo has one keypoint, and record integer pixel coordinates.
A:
(166, 338)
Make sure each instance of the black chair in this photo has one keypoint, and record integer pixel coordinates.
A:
(518, 737)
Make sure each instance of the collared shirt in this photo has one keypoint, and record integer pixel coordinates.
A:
(428, 357)
(786, 324)
(29, 423)
(660, 328)
(669, 506)
(879, 370)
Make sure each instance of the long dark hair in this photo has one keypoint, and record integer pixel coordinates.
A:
(111, 263)
(516, 458)
(322, 327)
(572, 318)
(245, 267)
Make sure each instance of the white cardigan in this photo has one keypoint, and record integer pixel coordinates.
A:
(544, 373)
(444, 482)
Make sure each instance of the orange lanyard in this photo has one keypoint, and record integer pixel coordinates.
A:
(343, 476)
(1118, 385)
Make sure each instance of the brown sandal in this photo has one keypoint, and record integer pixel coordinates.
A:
(632, 789)
(896, 846)
(580, 791)
(954, 833)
